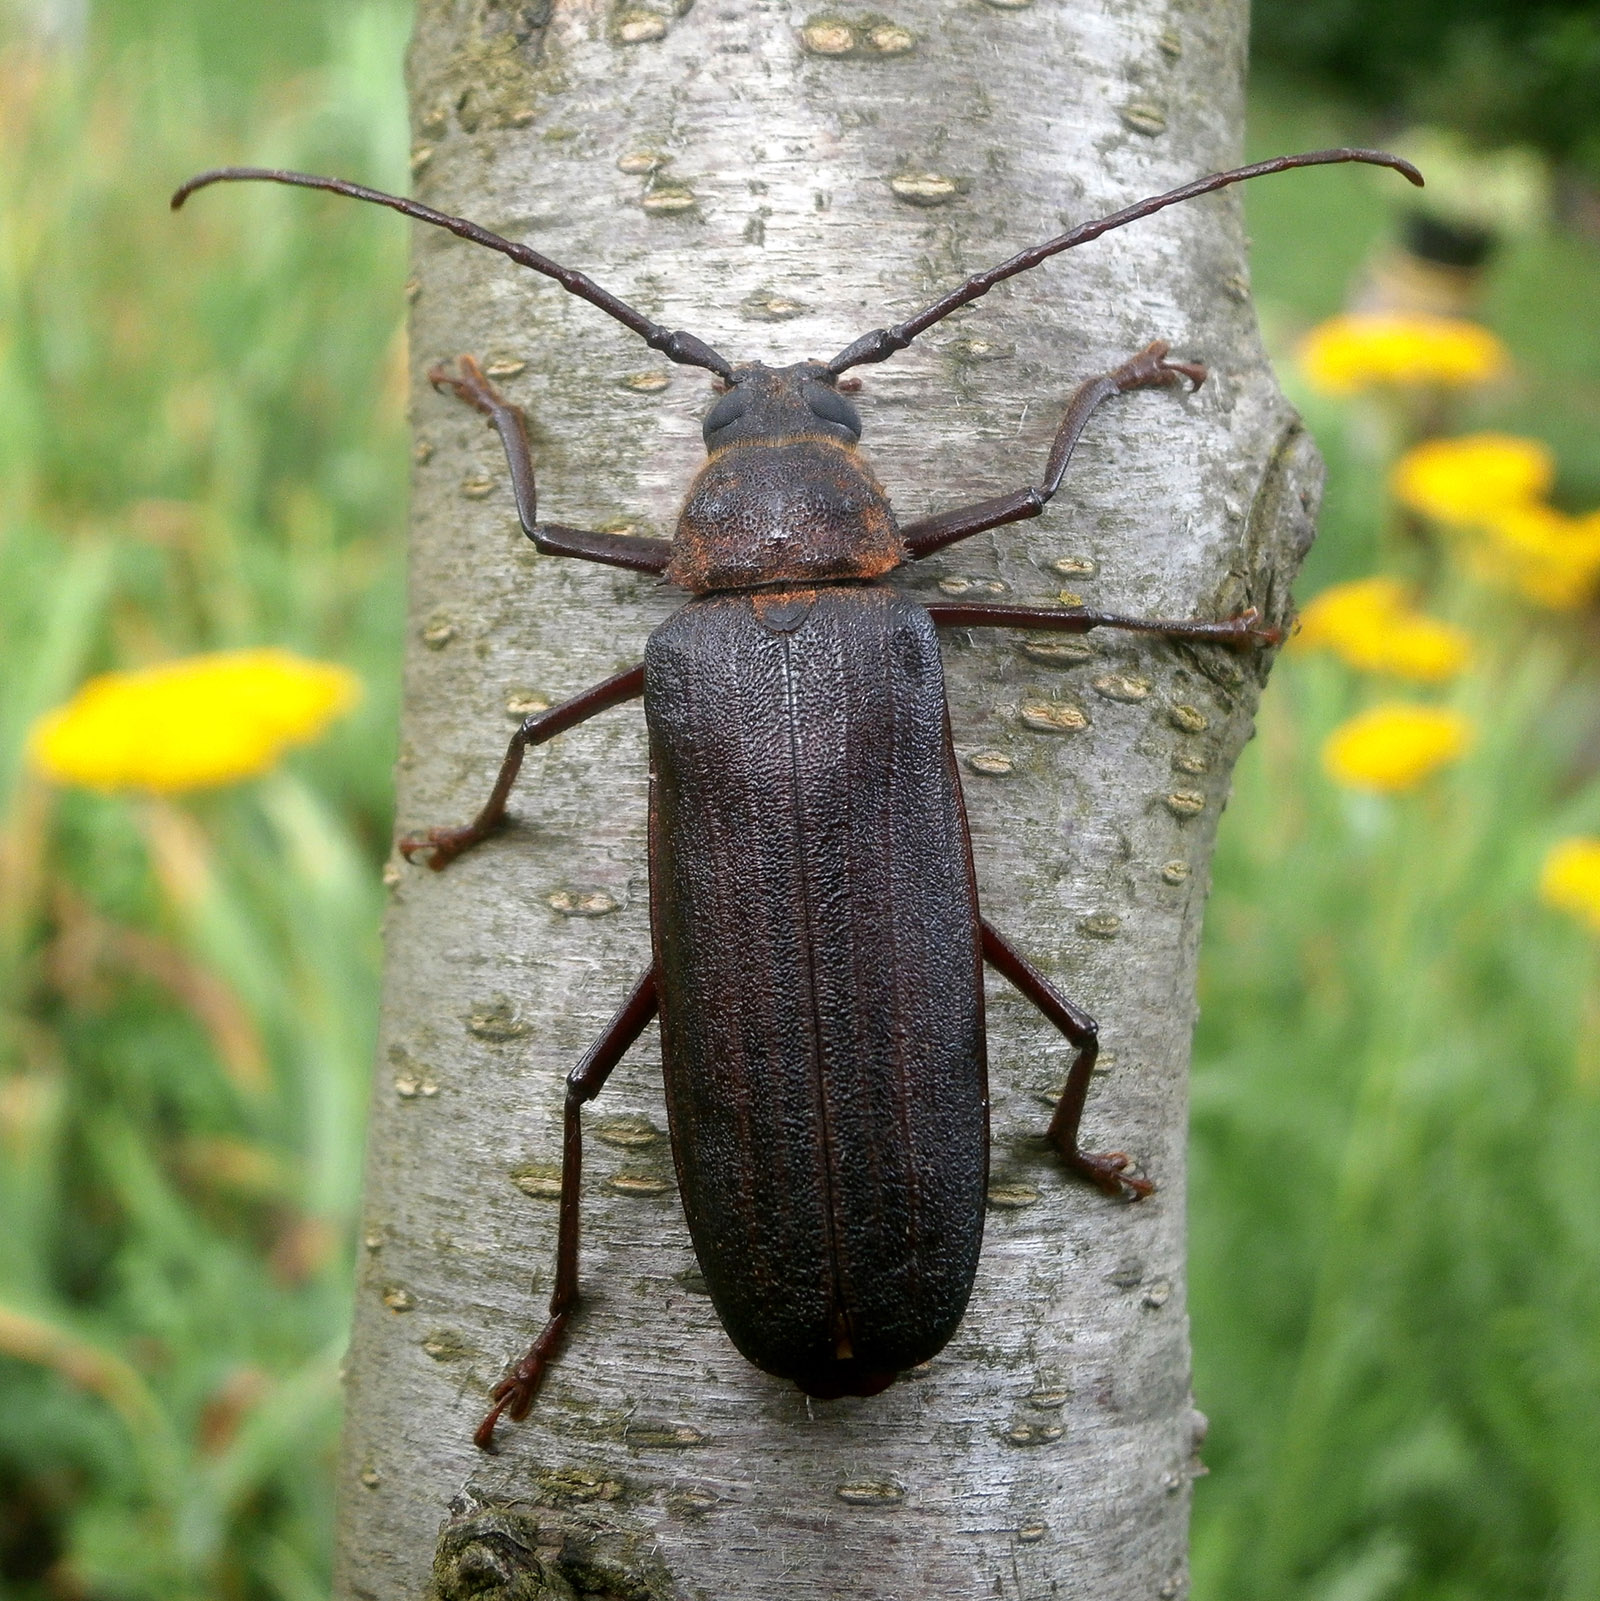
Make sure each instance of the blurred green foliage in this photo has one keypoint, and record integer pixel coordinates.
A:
(202, 445)
(1395, 1254)
(1397, 1082)
(1502, 71)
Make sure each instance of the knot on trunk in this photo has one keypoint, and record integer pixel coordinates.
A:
(506, 1553)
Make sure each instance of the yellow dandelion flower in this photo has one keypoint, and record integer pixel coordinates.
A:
(1493, 485)
(1570, 879)
(1395, 746)
(1360, 349)
(1370, 625)
(1458, 480)
(1346, 609)
(1553, 558)
(189, 724)
(1420, 649)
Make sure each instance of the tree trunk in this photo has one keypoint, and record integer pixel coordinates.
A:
(778, 182)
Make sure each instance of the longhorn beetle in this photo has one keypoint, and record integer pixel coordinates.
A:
(822, 1033)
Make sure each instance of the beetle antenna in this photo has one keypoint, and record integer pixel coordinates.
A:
(680, 347)
(882, 343)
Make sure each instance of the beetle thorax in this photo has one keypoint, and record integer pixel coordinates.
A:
(786, 497)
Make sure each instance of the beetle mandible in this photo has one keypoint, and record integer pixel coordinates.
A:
(822, 1033)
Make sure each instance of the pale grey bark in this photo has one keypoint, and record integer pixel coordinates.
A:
(778, 200)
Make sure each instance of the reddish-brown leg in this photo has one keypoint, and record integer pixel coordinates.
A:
(445, 844)
(1150, 369)
(469, 383)
(1243, 632)
(514, 1394)
(1109, 1169)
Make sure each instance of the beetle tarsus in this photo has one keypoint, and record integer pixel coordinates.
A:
(1150, 369)
(1247, 635)
(513, 1395)
(442, 844)
(472, 385)
(1113, 1172)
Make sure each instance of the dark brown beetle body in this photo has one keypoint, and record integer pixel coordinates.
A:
(813, 912)
(815, 929)
(817, 944)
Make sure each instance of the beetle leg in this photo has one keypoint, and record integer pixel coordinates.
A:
(929, 534)
(468, 383)
(1150, 369)
(1109, 1169)
(1245, 631)
(514, 1394)
(445, 844)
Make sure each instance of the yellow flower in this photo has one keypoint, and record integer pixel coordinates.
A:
(1570, 879)
(189, 724)
(1370, 625)
(1553, 558)
(1394, 746)
(1347, 609)
(1359, 349)
(1459, 480)
(1493, 485)
(1418, 648)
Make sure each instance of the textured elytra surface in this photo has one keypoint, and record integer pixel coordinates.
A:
(778, 180)
(817, 955)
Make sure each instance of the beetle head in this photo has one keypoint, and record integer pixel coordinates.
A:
(770, 405)
(785, 497)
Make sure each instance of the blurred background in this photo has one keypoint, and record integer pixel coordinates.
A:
(1396, 1191)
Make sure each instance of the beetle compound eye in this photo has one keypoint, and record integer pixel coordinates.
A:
(832, 407)
(729, 409)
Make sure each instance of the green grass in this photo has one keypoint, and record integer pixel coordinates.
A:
(1396, 1280)
(201, 446)
(1396, 1202)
